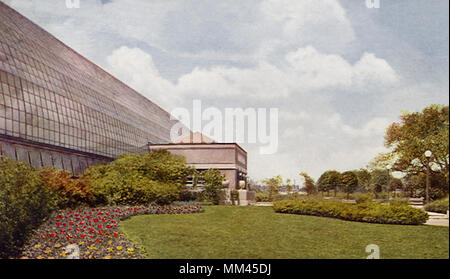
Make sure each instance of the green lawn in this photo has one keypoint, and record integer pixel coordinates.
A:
(225, 232)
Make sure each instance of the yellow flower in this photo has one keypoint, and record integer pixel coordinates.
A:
(119, 248)
(92, 247)
(48, 251)
(130, 251)
(108, 257)
(81, 243)
(40, 258)
(37, 246)
(110, 242)
(51, 258)
(63, 253)
(57, 245)
(111, 250)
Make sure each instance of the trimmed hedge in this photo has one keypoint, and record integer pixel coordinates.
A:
(439, 206)
(369, 212)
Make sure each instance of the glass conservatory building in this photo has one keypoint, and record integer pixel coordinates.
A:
(59, 109)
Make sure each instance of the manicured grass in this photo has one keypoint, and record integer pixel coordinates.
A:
(225, 232)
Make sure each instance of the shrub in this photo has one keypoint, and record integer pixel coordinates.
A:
(187, 195)
(234, 197)
(397, 202)
(439, 206)
(154, 177)
(263, 197)
(71, 192)
(370, 212)
(213, 183)
(24, 204)
(364, 198)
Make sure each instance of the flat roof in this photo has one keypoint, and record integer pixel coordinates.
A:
(196, 144)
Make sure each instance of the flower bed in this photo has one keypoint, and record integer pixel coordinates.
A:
(91, 233)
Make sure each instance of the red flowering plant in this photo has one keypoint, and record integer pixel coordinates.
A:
(91, 233)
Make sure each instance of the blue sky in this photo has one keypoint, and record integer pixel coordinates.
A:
(338, 71)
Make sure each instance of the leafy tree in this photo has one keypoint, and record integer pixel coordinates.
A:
(414, 183)
(379, 181)
(273, 184)
(395, 184)
(309, 183)
(439, 186)
(349, 182)
(329, 180)
(364, 177)
(381, 161)
(288, 185)
(213, 183)
(417, 132)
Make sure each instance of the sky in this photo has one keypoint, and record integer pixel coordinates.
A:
(338, 72)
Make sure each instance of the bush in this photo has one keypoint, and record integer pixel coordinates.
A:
(370, 212)
(187, 195)
(364, 198)
(24, 204)
(263, 197)
(213, 183)
(403, 202)
(71, 192)
(439, 206)
(154, 177)
(234, 197)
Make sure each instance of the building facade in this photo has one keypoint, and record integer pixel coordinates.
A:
(229, 158)
(59, 109)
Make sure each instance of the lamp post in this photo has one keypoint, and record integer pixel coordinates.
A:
(389, 167)
(428, 154)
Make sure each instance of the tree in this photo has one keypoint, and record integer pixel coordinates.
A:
(213, 183)
(414, 183)
(379, 181)
(349, 182)
(381, 161)
(395, 184)
(273, 184)
(308, 184)
(417, 132)
(288, 184)
(329, 180)
(363, 178)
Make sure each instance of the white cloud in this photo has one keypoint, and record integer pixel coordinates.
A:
(315, 70)
(136, 68)
(317, 22)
